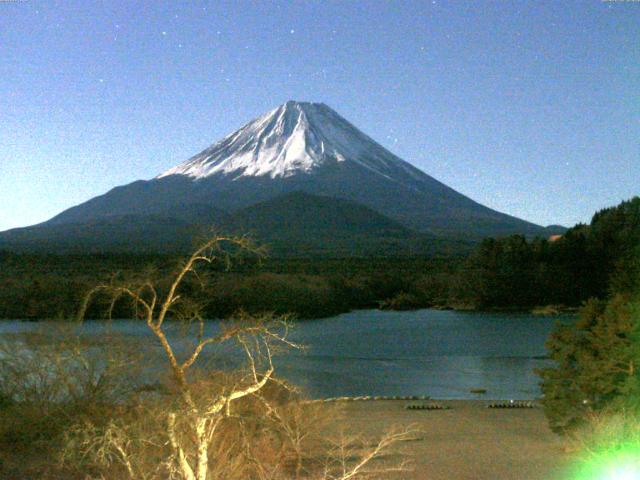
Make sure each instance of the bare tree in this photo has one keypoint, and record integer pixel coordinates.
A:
(194, 419)
(256, 337)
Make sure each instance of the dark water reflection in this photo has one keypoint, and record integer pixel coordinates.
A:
(443, 354)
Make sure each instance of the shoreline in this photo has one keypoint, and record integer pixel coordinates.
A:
(424, 398)
(538, 311)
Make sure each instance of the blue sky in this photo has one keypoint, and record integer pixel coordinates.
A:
(531, 108)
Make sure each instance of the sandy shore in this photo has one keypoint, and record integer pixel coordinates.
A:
(466, 442)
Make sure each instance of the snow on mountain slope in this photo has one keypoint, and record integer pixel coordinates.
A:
(296, 137)
(303, 147)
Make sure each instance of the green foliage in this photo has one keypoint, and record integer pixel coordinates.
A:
(508, 273)
(499, 273)
(587, 261)
(594, 362)
(597, 359)
(305, 295)
(631, 392)
(52, 286)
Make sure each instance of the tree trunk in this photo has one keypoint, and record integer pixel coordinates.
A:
(185, 469)
(203, 449)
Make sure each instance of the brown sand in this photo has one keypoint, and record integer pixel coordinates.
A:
(468, 441)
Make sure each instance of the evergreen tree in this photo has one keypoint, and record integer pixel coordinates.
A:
(595, 362)
(587, 261)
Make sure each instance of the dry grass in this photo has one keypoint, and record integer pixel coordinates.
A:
(72, 409)
(467, 441)
(203, 423)
(605, 432)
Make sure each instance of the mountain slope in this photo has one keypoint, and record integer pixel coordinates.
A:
(294, 224)
(301, 223)
(300, 147)
(174, 229)
(125, 233)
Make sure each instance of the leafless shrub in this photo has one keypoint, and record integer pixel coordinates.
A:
(607, 431)
(57, 367)
(49, 381)
(352, 457)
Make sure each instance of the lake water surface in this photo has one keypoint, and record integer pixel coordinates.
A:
(443, 354)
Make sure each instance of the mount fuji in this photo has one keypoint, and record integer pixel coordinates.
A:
(299, 147)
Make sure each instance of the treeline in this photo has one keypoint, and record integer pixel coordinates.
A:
(52, 286)
(588, 261)
(594, 382)
(510, 273)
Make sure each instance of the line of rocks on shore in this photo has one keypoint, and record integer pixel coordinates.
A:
(367, 397)
(425, 406)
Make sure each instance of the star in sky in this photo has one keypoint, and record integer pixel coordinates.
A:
(453, 76)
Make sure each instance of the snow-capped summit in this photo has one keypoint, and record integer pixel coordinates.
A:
(300, 147)
(296, 137)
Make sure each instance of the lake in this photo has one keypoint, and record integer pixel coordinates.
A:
(442, 354)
